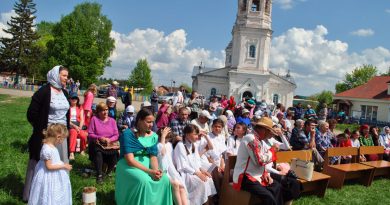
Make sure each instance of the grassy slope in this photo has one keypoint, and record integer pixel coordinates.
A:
(15, 131)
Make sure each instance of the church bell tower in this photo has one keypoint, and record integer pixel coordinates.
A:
(250, 47)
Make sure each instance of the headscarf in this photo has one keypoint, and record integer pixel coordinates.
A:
(53, 77)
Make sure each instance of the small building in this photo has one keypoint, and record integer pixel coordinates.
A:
(369, 102)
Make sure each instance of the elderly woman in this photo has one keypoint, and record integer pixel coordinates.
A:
(138, 177)
(102, 131)
(323, 140)
(48, 105)
(384, 140)
(252, 157)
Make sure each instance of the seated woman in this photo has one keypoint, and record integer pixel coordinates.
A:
(77, 127)
(102, 130)
(384, 140)
(366, 140)
(250, 170)
(127, 118)
(186, 157)
(323, 141)
(138, 178)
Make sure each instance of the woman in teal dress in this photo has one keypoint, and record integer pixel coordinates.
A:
(138, 179)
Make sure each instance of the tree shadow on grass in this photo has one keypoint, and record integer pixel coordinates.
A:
(13, 185)
(19, 145)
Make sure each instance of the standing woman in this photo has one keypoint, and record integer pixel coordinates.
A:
(89, 95)
(48, 105)
(138, 177)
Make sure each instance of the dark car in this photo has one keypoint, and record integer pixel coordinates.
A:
(102, 91)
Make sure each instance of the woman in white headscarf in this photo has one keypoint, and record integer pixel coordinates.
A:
(48, 105)
(384, 140)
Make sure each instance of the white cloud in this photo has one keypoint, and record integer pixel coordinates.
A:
(363, 32)
(287, 4)
(4, 17)
(317, 63)
(168, 55)
(387, 11)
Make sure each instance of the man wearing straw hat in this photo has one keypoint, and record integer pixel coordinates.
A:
(250, 172)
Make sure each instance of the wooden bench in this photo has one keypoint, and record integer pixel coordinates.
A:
(230, 196)
(341, 172)
(382, 167)
(319, 182)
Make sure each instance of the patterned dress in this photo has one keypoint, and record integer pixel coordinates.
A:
(50, 186)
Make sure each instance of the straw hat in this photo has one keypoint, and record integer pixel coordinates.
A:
(266, 123)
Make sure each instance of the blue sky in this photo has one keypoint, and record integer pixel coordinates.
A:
(319, 41)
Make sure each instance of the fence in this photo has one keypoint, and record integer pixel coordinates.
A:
(135, 96)
(362, 121)
(21, 87)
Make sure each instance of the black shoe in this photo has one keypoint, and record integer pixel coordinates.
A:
(99, 179)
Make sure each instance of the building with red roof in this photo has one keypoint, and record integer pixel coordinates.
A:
(370, 101)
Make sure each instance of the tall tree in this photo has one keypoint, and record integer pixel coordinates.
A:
(18, 52)
(82, 42)
(141, 77)
(45, 32)
(359, 76)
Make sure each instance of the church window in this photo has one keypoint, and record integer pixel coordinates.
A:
(275, 99)
(255, 5)
(252, 51)
(243, 8)
(213, 91)
(230, 58)
(267, 6)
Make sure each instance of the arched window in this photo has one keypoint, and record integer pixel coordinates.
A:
(213, 91)
(255, 5)
(244, 5)
(275, 99)
(252, 51)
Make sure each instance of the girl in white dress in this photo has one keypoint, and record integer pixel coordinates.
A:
(186, 157)
(233, 142)
(217, 154)
(51, 184)
(165, 162)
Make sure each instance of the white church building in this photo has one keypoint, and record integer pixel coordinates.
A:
(246, 72)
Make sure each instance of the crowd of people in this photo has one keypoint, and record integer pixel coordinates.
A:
(165, 154)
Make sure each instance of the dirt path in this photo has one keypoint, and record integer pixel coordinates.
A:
(24, 93)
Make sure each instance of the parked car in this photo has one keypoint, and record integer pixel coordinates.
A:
(167, 97)
(102, 92)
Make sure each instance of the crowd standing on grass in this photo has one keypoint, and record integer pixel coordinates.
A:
(176, 153)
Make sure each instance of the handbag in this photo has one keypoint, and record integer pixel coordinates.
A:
(77, 123)
(108, 146)
(303, 169)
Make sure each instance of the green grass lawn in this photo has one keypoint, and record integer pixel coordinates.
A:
(15, 131)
